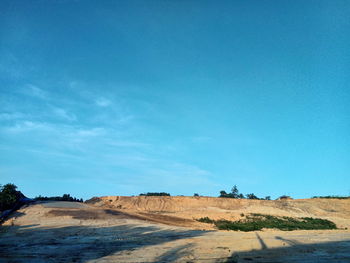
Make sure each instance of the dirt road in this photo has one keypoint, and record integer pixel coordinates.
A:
(74, 232)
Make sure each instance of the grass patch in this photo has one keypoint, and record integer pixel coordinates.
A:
(256, 222)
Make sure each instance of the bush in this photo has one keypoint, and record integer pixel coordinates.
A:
(332, 197)
(223, 193)
(284, 197)
(206, 220)
(252, 196)
(256, 222)
(155, 194)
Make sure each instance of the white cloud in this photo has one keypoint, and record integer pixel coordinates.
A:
(103, 102)
(24, 126)
(64, 114)
(70, 132)
(10, 65)
(166, 175)
(34, 91)
(90, 132)
(5, 116)
(125, 119)
(128, 144)
(73, 84)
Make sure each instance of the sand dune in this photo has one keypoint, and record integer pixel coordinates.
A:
(162, 229)
(186, 207)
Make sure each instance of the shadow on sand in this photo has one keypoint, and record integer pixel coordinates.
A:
(32, 243)
(293, 251)
(82, 243)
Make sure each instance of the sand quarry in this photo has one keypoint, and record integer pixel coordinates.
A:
(164, 229)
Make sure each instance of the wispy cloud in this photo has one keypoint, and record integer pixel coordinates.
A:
(41, 152)
(125, 143)
(108, 138)
(167, 175)
(103, 102)
(180, 170)
(53, 129)
(62, 113)
(11, 65)
(35, 91)
(9, 116)
(90, 132)
(25, 126)
(125, 119)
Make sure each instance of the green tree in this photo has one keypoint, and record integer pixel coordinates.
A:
(234, 192)
(223, 193)
(252, 196)
(8, 196)
(241, 196)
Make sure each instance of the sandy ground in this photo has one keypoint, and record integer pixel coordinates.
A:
(75, 232)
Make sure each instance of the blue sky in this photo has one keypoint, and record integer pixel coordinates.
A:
(124, 97)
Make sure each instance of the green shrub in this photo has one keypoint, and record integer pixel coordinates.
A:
(252, 196)
(256, 222)
(155, 194)
(206, 220)
(332, 197)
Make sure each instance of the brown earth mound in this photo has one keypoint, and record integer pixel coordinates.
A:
(191, 208)
(76, 232)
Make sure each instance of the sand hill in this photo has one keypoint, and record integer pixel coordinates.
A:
(151, 229)
(191, 208)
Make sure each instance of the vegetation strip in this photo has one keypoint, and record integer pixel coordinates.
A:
(332, 197)
(256, 222)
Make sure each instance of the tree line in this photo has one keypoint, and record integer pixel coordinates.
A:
(237, 195)
(155, 194)
(10, 197)
(65, 197)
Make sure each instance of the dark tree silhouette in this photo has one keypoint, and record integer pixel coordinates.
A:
(252, 196)
(9, 196)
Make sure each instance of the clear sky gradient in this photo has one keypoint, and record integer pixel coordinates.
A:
(124, 97)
